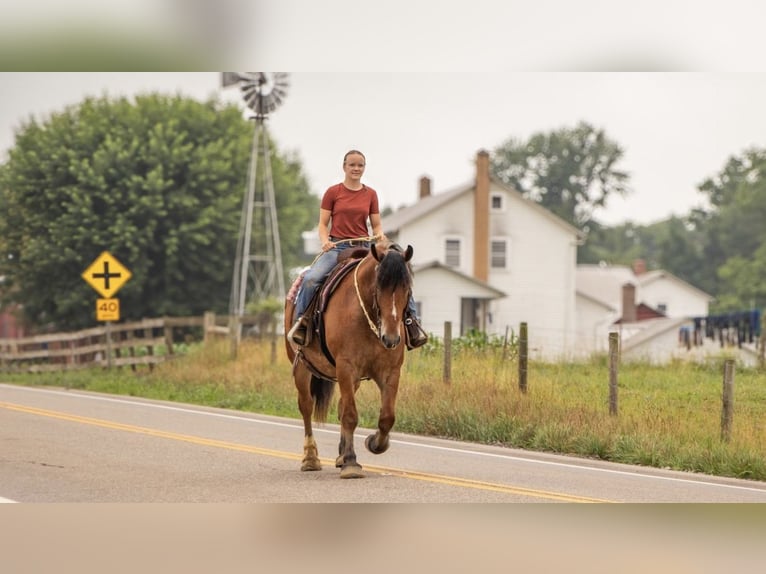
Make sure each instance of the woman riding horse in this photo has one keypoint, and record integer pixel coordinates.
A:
(346, 207)
(361, 338)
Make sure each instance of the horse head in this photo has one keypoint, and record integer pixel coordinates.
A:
(393, 286)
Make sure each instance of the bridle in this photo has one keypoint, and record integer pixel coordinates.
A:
(375, 328)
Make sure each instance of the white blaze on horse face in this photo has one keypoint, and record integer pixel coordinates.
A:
(394, 312)
(390, 327)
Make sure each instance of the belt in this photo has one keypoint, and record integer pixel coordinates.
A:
(350, 243)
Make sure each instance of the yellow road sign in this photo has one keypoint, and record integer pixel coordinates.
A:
(106, 275)
(107, 309)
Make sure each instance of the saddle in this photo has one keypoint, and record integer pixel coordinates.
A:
(348, 259)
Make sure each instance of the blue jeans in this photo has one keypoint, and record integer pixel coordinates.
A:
(316, 275)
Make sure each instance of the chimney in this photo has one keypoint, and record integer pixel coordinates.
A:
(639, 267)
(629, 314)
(481, 218)
(425, 187)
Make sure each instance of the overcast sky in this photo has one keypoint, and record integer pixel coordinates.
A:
(676, 128)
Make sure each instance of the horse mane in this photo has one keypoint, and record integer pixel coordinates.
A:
(393, 270)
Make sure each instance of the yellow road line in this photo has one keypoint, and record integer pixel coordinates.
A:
(424, 476)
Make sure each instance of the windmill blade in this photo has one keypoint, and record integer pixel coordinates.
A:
(230, 78)
(263, 92)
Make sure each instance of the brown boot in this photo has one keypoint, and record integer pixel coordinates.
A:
(298, 332)
(416, 336)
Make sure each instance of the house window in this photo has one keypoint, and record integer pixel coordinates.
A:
(498, 254)
(496, 202)
(452, 252)
(662, 308)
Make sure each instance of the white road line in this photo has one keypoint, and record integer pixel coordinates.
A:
(6, 500)
(299, 425)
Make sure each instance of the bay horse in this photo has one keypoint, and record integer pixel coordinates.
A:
(364, 338)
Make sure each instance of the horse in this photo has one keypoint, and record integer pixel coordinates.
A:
(363, 338)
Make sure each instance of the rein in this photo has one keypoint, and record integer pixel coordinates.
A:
(365, 238)
(372, 325)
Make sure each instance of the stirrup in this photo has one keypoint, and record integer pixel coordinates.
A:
(416, 336)
(297, 334)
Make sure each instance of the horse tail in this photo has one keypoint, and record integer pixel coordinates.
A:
(321, 391)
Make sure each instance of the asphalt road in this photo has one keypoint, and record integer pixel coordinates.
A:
(60, 445)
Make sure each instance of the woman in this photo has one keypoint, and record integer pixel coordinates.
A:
(344, 210)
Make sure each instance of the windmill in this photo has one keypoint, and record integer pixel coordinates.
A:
(257, 270)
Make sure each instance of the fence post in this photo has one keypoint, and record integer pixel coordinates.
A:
(149, 334)
(234, 329)
(727, 410)
(447, 376)
(208, 322)
(523, 357)
(273, 337)
(168, 335)
(613, 362)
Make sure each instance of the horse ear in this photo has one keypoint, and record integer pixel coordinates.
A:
(374, 252)
(408, 253)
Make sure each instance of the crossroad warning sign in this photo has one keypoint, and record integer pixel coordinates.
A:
(106, 275)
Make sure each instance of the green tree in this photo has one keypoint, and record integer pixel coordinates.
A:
(735, 232)
(571, 172)
(158, 182)
(679, 249)
(620, 245)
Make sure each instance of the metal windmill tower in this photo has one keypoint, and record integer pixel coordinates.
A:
(258, 270)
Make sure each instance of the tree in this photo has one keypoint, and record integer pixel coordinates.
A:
(679, 249)
(158, 182)
(621, 244)
(569, 171)
(734, 231)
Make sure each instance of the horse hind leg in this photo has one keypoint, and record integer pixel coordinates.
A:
(310, 454)
(306, 406)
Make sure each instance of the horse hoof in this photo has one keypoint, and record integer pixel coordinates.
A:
(370, 443)
(311, 465)
(339, 461)
(351, 471)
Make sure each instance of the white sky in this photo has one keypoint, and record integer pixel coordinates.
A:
(676, 128)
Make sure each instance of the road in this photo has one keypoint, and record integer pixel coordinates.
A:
(59, 445)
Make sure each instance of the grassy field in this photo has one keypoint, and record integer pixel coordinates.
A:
(669, 416)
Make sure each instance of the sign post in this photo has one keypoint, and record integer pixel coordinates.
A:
(106, 275)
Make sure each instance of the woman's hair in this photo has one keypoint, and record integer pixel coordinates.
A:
(353, 152)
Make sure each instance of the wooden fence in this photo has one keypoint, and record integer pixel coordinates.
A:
(145, 342)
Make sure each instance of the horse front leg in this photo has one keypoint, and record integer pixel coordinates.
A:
(378, 442)
(306, 406)
(349, 418)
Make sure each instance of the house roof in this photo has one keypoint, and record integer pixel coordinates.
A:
(599, 302)
(651, 276)
(410, 214)
(604, 282)
(491, 292)
(643, 313)
(652, 329)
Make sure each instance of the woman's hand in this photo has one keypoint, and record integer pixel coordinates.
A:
(327, 245)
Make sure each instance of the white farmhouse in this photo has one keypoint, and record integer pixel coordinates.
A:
(486, 258)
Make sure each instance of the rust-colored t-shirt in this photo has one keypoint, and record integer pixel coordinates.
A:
(349, 210)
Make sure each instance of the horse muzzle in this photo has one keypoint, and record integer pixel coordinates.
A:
(390, 342)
